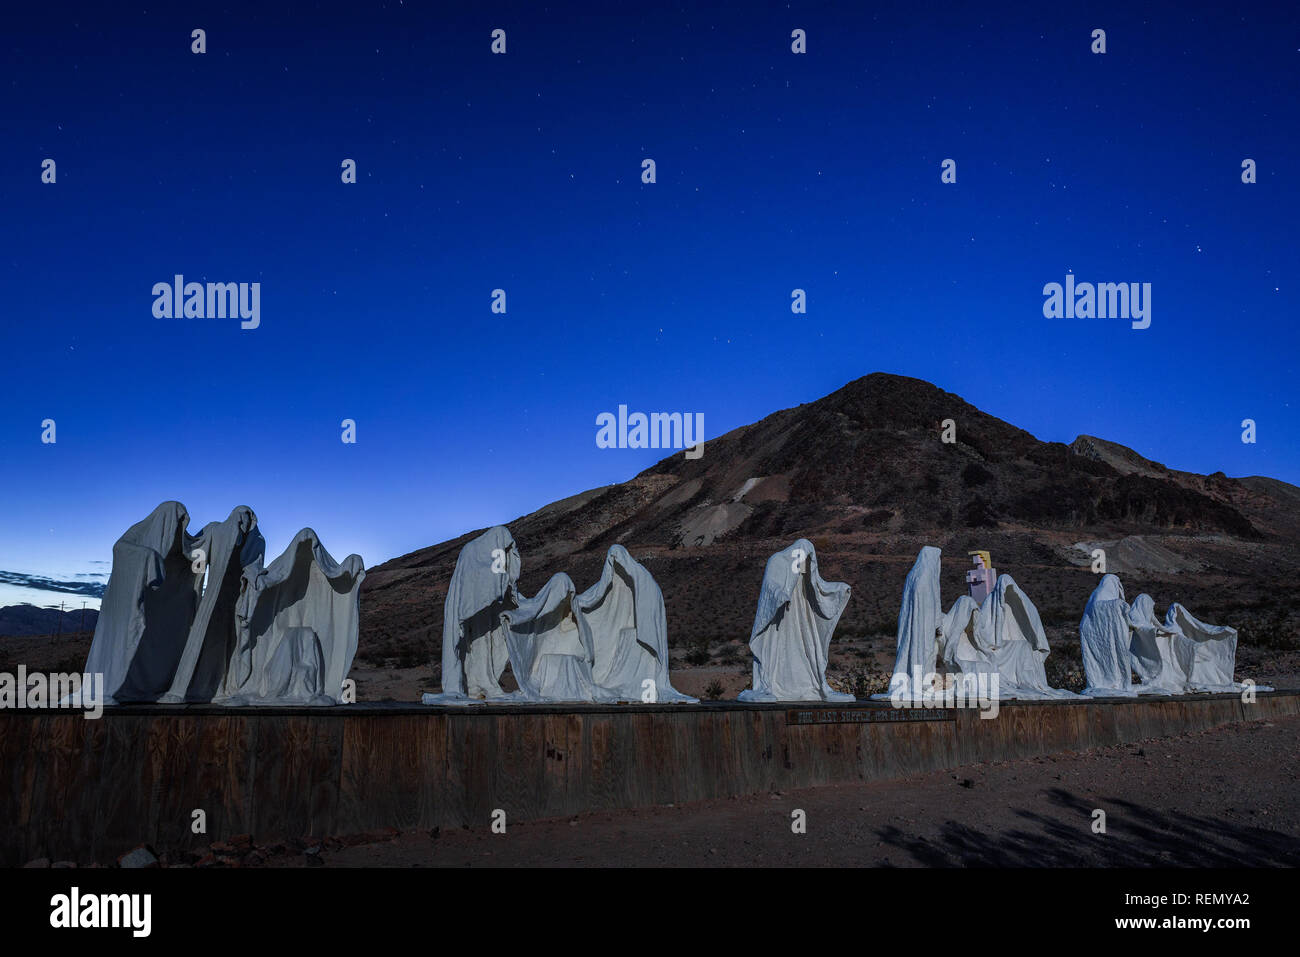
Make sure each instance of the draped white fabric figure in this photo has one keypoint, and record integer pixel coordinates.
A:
(298, 622)
(1105, 639)
(1162, 658)
(791, 637)
(231, 552)
(1214, 650)
(920, 623)
(1012, 633)
(198, 619)
(959, 645)
(550, 647)
(624, 615)
(483, 585)
(147, 608)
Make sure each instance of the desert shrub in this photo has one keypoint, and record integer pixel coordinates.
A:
(1065, 673)
(1276, 633)
(714, 691)
(860, 682)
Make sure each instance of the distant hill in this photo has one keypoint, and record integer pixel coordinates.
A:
(862, 473)
(26, 620)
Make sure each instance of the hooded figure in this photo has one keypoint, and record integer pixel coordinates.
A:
(1011, 633)
(1162, 658)
(920, 624)
(232, 551)
(1105, 637)
(298, 621)
(483, 586)
(147, 608)
(959, 643)
(791, 637)
(550, 647)
(1214, 650)
(624, 615)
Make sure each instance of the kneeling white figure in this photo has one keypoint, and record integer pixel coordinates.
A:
(550, 647)
(624, 615)
(1012, 632)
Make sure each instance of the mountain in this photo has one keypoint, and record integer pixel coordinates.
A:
(25, 620)
(865, 474)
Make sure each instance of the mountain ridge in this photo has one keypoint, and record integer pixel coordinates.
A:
(864, 473)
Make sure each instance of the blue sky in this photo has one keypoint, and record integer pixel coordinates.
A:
(775, 171)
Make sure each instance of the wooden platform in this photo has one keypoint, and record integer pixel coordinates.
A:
(77, 789)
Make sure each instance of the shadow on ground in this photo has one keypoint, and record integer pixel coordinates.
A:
(1136, 836)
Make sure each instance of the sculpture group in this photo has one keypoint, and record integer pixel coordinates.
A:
(606, 644)
(610, 642)
(1180, 655)
(1000, 641)
(198, 618)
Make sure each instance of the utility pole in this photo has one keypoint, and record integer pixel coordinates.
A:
(60, 634)
(83, 616)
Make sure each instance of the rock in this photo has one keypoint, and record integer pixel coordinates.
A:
(39, 862)
(373, 836)
(141, 856)
(274, 844)
(64, 864)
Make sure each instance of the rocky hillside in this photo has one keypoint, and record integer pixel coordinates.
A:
(865, 474)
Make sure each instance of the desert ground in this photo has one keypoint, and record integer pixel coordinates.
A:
(1217, 798)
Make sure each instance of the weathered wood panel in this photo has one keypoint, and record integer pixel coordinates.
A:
(77, 789)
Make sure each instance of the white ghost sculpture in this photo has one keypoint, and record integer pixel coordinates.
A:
(624, 615)
(920, 625)
(232, 552)
(959, 646)
(147, 609)
(1012, 634)
(1162, 659)
(298, 622)
(796, 616)
(550, 647)
(483, 585)
(1214, 650)
(1105, 640)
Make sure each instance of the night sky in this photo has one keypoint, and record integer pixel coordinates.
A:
(522, 171)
